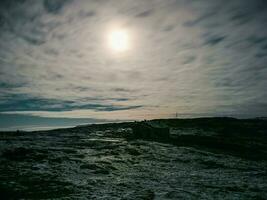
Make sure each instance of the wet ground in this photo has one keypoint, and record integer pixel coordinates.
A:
(101, 164)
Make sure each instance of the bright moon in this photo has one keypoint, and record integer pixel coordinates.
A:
(119, 40)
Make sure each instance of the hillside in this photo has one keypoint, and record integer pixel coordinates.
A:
(205, 158)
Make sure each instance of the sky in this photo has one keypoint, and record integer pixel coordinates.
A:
(191, 57)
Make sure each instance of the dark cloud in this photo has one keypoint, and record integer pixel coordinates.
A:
(33, 41)
(226, 82)
(7, 4)
(241, 18)
(116, 108)
(261, 55)
(213, 40)
(51, 52)
(24, 103)
(258, 40)
(6, 85)
(20, 21)
(168, 28)
(86, 14)
(2, 21)
(54, 6)
(121, 99)
(146, 13)
(189, 59)
(122, 90)
(264, 47)
(200, 19)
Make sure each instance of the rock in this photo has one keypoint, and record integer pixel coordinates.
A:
(90, 166)
(148, 195)
(21, 153)
(102, 171)
(140, 195)
(132, 151)
(147, 131)
(97, 168)
(171, 195)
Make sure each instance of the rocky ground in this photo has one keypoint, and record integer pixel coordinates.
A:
(102, 162)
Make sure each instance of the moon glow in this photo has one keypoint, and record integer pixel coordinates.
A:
(118, 40)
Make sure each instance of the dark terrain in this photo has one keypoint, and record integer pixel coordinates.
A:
(205, 158)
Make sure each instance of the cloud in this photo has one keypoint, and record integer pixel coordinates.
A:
(213, 40)
(19, 103)
(189, 57)
(54, 6)
(86, 14)
(199, 19)
(145, 13)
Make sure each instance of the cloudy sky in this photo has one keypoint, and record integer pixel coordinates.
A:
(196, 58)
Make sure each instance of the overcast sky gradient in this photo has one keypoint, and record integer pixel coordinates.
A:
(196, 58)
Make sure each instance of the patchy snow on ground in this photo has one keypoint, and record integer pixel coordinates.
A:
(99, 164)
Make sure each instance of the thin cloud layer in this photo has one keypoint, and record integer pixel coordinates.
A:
(190, 57)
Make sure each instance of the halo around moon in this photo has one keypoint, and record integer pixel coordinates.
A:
(118, 40)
